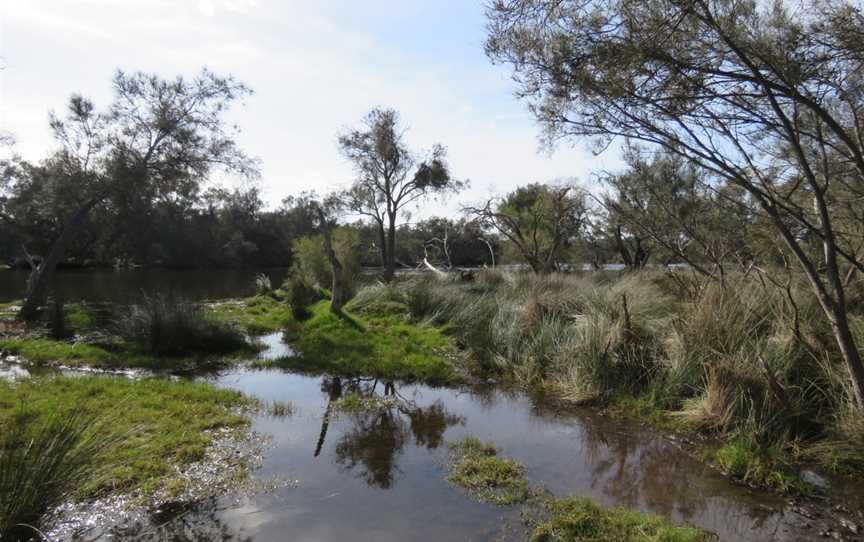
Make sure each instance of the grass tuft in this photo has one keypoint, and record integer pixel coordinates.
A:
(476, 467)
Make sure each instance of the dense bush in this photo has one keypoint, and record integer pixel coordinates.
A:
(300, 296)
(164, 324)
(312, 266)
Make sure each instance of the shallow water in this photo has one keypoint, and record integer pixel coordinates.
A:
(381, 476)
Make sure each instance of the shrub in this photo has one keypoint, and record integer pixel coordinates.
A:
(163, 324)
(300, 296)
(263, 286)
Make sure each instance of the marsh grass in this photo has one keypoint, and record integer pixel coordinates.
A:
(747, 361)
(164, 325)
(575, 519)
(476, 467)
(158, 424)
(43, 462)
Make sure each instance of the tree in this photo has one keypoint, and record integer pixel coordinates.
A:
(390, 177)
(540, 220)
(671, 204)
(159, 140)
(764, 98)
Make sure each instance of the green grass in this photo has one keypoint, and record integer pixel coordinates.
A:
(381, 345)
(746, 461)
(575, 519)
(154, 424)
(476, 467)
(256, 315)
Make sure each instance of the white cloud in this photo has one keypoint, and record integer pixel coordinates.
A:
(316, 67)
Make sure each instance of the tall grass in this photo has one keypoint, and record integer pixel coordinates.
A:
(165, 324)
(41, 467)
(748, 360)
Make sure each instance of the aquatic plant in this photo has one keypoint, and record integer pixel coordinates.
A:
(476, 467)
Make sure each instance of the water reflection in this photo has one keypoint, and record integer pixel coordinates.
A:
(376, 437)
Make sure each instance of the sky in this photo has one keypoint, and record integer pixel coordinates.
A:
(316, 68)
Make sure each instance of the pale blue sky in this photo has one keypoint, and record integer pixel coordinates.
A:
(315, 66)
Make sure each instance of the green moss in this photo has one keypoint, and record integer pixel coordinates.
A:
(575, 519)
(476, 467)
(763, 466)
(256, 315)
(382, 346)
(155, 424)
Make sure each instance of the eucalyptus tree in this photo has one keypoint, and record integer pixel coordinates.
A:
(541, 221)
(766, 96)
(390, 177)
(158, 140)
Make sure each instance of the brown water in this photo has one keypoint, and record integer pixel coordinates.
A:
(381, 476)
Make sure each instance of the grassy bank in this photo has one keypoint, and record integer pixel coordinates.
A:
(369, 339)
(750, 365)
(137, 434)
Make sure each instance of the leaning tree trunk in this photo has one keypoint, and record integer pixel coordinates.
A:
(337, 299)
(40, 277)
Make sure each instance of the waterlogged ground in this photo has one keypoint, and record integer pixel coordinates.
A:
(381, 475)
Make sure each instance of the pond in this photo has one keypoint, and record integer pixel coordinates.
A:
(126, 285)
(381, 475)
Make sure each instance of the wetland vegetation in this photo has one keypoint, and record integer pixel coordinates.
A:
(560, 362)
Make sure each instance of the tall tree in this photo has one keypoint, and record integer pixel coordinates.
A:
(540, 220)
(390, 177)
(765, 98)
(159, 140)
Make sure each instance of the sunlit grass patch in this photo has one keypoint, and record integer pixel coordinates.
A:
(256, 315)
(155, 424)
(575, 519)
(385, 346)
(476, 467)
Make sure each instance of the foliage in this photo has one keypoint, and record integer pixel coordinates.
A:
(256, 315)
(541, 221)
(312, 266)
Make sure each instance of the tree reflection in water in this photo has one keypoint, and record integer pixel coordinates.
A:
(181, 522)
(376, 437)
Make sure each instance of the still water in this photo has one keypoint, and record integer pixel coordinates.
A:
(127, 285)
(381, 476)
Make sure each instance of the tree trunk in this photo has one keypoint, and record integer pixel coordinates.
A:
(337, 298)
(382, 245)
(390, 267)
(41, 276)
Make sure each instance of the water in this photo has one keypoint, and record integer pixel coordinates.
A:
(381, 476)
(126, 285)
